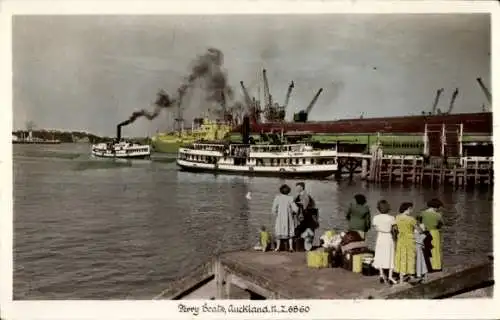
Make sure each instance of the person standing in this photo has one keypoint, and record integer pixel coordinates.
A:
(284, 208)
(421, 264)
(432, 219)
(307, 221)
(358, 216)
(405, 243)
(384, 247)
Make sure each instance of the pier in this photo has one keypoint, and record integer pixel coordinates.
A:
(268, 275)
(406, 169)
(446, 157)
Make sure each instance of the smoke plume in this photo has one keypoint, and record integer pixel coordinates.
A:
(163, 101)
(207, 68)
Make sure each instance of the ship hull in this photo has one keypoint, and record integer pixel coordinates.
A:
(166, 146)
(132, 157)
(472, 122)
(188, 167)
(35, 142)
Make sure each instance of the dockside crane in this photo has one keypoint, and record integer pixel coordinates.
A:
(486, 91)
(439, 92)
(302, 116)
(452, 101)
(268, 98)
(251, 105)
(288, 94)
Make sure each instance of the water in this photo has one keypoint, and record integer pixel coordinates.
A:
(93, 229)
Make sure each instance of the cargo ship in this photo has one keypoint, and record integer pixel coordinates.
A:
(397, 135)
(202, 129)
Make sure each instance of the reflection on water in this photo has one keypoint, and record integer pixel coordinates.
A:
(126, 232)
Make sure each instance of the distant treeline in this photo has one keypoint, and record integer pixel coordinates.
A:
(63, 136)
(72, 136)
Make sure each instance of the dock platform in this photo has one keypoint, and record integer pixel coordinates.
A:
(283, 275)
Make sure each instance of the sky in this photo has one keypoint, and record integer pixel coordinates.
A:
(91, 72)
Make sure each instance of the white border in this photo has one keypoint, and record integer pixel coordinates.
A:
(403, 309)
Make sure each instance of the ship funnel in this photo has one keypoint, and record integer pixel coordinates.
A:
(118, 133)
(245, 130)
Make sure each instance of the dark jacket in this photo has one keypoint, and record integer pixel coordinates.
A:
(308, 217)
(359, 217)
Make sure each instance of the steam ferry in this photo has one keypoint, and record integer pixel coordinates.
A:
(121, 150)
(288, 160)
(248, 158)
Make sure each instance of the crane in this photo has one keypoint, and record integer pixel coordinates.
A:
(313, 101)
(277, 112)
(486, 92)
(436, 100)
(268, 99)
(288, 94)
(246, 96)
(251, 107)
(452, 101)
(302, 115)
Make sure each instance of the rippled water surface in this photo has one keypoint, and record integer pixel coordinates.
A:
(94, 229)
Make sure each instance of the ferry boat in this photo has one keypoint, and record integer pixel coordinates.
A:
(290, 160)
(121, 150)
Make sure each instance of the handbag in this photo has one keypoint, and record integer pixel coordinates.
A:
(394, 232)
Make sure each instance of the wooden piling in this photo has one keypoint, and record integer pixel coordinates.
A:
(393, 168)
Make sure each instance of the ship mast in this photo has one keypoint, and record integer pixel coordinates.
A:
(30, 125)
(179, 120)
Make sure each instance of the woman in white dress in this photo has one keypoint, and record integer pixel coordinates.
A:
(384, 248)
(284, 208)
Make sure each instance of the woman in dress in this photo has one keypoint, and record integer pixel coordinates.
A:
(284, 208)
(421, 265)
(384, 248)
(433, 221)
(405, 243)
(358, 215)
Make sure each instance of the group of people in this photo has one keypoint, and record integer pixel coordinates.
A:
(296, 217)
(406, 244)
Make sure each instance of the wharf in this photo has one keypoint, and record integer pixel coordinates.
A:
(268, 275)
(403, 169)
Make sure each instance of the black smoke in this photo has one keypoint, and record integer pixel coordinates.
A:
(207, 68)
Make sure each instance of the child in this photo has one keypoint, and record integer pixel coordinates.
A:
(264, 239)
(421, 266)
(308, 237)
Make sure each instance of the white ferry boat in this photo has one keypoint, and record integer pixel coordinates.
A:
(291, 160)
(121, 150)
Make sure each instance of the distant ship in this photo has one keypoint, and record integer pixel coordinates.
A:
(32, 140)
(201, 130)
(121, 149)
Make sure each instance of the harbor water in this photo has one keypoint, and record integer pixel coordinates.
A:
(97, 229)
